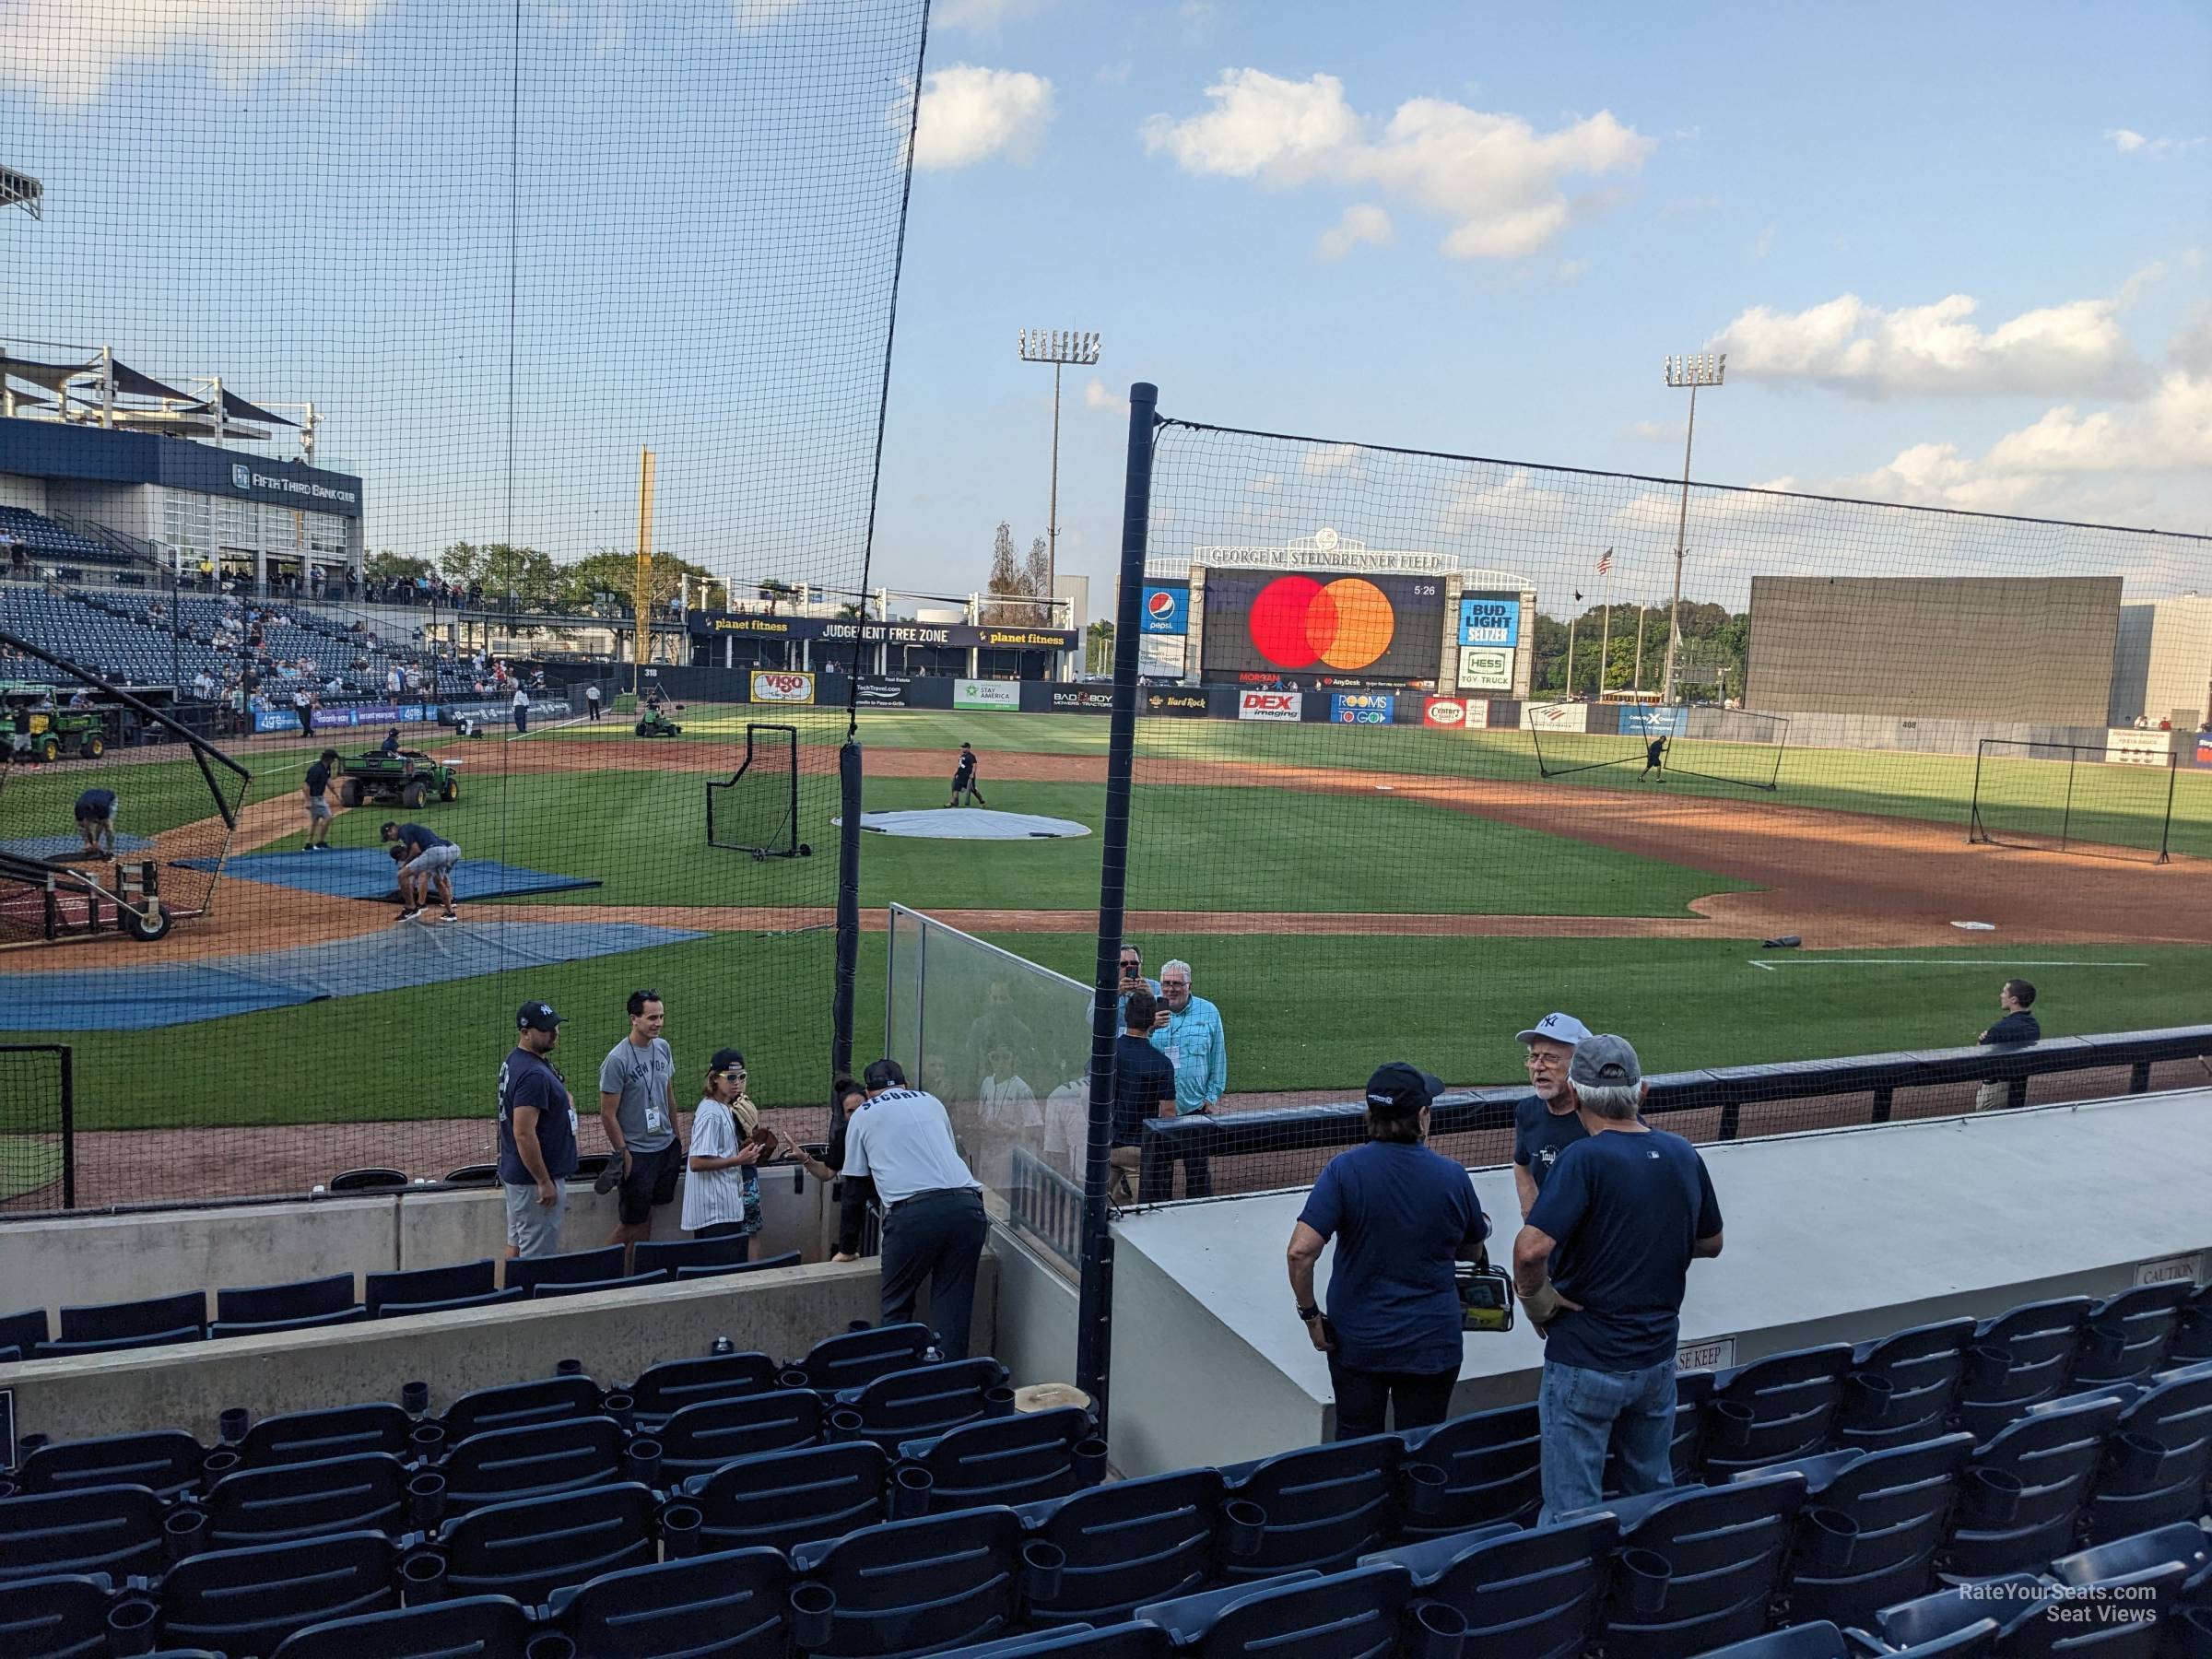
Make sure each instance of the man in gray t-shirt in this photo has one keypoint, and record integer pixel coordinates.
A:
(637, 1105)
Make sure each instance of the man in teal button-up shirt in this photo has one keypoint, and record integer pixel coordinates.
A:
(1189, 1035)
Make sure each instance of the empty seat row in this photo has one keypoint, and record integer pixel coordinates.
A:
(307, 1304)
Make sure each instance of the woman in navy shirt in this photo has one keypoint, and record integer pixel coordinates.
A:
(1401, 1216)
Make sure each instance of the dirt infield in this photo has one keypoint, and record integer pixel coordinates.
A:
(1837, 880)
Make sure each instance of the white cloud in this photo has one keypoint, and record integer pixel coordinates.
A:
(1516, 497)
(1849, 345)
(1571, 270)
(969, 114)
(1493, 179)
(1652, 432)
(1362, 222)
(1763, 244)
(2130, 143)
(1097, 395)
(68, 53)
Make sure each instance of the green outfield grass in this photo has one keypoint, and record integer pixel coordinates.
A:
(1192, 848)
(1301, 1014)
(2115, 804)
(151, 796)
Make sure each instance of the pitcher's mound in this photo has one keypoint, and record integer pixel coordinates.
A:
(969, 823)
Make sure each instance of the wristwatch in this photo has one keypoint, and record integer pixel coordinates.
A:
(1309, 1313)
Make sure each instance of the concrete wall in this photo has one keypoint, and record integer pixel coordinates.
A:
(2178, 677)
(74, 1260)
(18, 491)
(2037, 650)
(1921, 736)
(1036, 1313)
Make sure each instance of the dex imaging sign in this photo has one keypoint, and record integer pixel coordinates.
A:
(1271, 705)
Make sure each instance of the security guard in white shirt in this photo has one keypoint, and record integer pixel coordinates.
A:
(933, 1204)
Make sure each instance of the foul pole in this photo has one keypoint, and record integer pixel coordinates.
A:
(642, 595)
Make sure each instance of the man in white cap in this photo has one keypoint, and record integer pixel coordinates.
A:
(1547, 1121)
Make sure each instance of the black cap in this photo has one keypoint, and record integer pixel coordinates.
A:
(724, 1059)
(883, 1073)
(536, 1016)
(328, 754)
(1400, 1086)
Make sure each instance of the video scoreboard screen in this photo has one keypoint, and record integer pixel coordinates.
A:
(1382, 626)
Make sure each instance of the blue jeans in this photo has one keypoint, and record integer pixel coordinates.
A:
(1583, 1414)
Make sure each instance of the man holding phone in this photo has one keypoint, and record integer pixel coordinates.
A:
(1132, 976)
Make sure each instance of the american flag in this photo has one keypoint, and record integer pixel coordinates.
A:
(1605, 562)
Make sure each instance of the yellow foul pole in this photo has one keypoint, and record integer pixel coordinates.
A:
(641, 599)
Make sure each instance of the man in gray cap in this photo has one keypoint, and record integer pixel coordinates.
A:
(1546, 1121)
(1600, 1267)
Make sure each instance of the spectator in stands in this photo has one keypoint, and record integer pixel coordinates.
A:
(1548, 1121)
(314, 793)
(1188, 1030)
(854, 1192)
(1132, 976)
(1144, 1085)
(1600, 1267)
(2014, 1024)
(637, 1107)
(537, 1135)
(721, 1186)
(96, 822)
(932, 1221)
(1401, 1216)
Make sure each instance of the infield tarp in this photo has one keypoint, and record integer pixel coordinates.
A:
(43, 847)
(407, 954)
(366, 872)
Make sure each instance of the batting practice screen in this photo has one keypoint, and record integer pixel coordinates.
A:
(1386, 627)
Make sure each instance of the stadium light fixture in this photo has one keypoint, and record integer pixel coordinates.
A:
(1701, 369)
(20, 190)
(1060, 347)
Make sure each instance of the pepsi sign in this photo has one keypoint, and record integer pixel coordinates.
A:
(1167, 607)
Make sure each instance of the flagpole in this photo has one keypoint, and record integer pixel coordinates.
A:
(1605, 637)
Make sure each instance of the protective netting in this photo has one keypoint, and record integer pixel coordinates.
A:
(1430, 751)
(407, 384)
(37, 1144)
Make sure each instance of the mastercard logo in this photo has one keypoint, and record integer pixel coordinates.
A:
(1297, 621)
(1162, 604)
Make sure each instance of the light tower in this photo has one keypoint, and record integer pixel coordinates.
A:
(1699, 369)
(1058, 347)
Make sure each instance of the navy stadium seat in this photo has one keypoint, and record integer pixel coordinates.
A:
(1025, 1458)
(1130, 1542)
(473, 1175)
(115, 1344)
(2037, 1617)
(126, 1320)
(1130, 1640)
(62, 1617)
(23, 1331)
(337, 1431)
(532, 1461)
(540, 1292)
(910, 1586)
(1726, 1551)
(570, 1267)
(1492, 1471)
(512, 1404)
(926, 1400)
(490, 1299)
(479, 1627)
(2159, 1460)
(789, 1258)
(700, 1439)
(366, 1181)
(1358, 1614)
(2128, 1337)
(1821, 1640)
(367, 1490)
(715, 1607)
(1898, 1503)
(1524, 1594)
(303, 1298)
(786, 1497)
(1902, 1388)
(668, 1254)
(2186, 1542)
(531, 1546)
(110, 1529)
(247, 1601)
(2027, 1487)
(837, 1363)
(1774, 1409)
(2193, 1333)
(428, 1284)
(222, 1329)
(1326, 1506)
(668, 1388)
(168, 1460)
(2022, 1358)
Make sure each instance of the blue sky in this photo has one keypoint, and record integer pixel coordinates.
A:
(1956, 252)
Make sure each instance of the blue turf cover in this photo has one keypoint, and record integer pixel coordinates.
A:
(405, 954)
(366, 872)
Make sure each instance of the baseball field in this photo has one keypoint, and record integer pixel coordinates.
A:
(1345, 894)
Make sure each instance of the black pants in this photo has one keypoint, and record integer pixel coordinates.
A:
(522, 721)
(1197, 1175)
(1363, 1397)
(937, 1236)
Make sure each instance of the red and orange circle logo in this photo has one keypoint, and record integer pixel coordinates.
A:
(1297, 621)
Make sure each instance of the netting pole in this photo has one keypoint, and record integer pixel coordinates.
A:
(2166, 824)
(1973, 811)
(68, 1058)
(1094, 1306)
(848, 906)
(2065, 821)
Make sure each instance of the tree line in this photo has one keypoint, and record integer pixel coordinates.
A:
(1713, 641)
(538, 582)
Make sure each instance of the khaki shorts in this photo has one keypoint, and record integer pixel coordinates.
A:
(317, 807)
(534, 1229)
